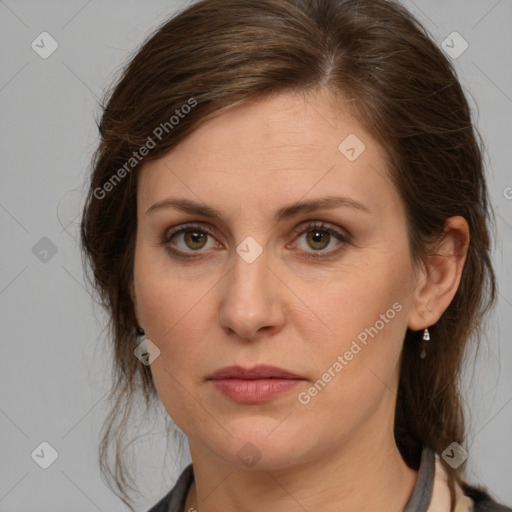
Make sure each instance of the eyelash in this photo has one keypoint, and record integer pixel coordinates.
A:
(344, 239)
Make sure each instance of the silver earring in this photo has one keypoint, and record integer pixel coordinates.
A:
(425, 339)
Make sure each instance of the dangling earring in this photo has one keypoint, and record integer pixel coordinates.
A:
(425, 339)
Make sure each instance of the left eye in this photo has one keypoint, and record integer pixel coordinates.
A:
(319, 236)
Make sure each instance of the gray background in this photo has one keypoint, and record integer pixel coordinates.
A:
(54, 369)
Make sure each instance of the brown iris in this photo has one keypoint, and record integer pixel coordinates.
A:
(318, 236)
(195, 237)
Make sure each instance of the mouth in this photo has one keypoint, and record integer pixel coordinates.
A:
(254, 385)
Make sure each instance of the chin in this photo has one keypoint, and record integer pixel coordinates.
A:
(261, 451)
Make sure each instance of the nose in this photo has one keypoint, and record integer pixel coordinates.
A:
(253, 299)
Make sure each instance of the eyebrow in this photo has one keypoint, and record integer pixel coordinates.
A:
(286, 212)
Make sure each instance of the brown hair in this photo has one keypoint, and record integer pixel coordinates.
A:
(221, 53)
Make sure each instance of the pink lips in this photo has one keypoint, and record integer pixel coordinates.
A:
(254, 385)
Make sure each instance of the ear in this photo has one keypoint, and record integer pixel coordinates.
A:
(439, 279)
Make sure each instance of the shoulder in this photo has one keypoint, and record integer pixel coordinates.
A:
(468, 497)
(482, 501)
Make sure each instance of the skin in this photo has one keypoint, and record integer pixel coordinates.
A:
(336, 452)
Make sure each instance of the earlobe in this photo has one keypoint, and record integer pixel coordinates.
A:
(440, 279)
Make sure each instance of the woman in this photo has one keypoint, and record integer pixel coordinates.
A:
(288, 223)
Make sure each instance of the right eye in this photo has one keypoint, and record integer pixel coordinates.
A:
(193, 238)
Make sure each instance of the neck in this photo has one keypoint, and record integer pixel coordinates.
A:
(357, 479)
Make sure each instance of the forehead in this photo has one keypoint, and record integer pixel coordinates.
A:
(287, 126)
(275, 149)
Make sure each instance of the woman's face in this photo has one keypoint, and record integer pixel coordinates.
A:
(254, 285)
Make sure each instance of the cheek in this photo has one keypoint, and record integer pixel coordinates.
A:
(170, 309)
(165, 296)
(363, 317)
(354, 372)
(177, 316)
(345, 303)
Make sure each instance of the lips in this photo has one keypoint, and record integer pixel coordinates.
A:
(258, 372)
(254, 385)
